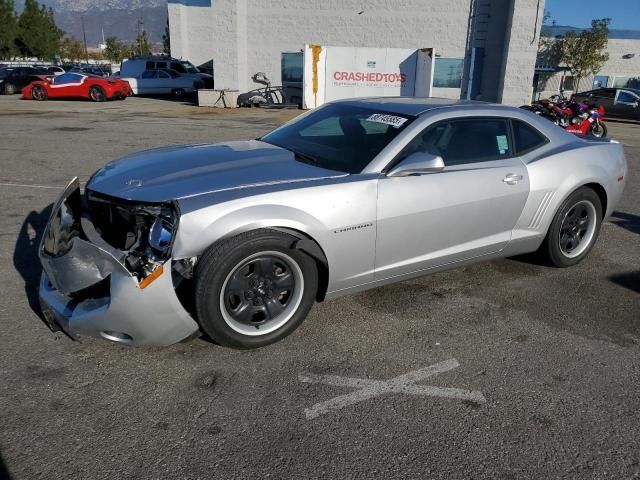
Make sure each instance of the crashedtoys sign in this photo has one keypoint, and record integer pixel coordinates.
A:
(332, 73)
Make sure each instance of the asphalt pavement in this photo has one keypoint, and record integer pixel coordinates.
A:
(506, 369)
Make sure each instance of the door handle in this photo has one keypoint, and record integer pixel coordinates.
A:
(512, 178)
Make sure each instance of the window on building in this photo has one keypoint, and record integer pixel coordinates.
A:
(292, 67)
(568, 83)
(447, 72)
(526, 137)
(626, 82)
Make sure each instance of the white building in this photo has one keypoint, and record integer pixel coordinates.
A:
(621, 70)
(486, 48)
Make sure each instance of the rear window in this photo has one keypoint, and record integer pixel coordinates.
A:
(526, 137)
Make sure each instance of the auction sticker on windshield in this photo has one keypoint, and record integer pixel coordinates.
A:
(392, 120)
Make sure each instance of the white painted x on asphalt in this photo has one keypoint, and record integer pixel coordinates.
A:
(373, 388)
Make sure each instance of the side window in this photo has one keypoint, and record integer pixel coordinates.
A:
(526, 138)
(150, 65)
(148, 74)
(464, 141)
(178, 67)
(161, 64)
(626, 97)
(162, 74)
(474, 140)
(606, 93)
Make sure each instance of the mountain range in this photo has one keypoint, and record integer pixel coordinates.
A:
(117, 18)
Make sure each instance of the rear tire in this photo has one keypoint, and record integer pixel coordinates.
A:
(9, 89)
(97, 94)
(574, 229)
(39, 93)
(254, 289)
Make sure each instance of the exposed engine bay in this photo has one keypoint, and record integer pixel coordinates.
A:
(90, 235)
(144, 233)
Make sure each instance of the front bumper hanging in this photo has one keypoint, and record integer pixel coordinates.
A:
(86, 289)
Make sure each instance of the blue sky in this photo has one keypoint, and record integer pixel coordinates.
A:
(624, 14)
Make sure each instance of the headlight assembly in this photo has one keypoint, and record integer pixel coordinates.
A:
(160, 235)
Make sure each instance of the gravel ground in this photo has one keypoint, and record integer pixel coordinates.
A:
(555, 353)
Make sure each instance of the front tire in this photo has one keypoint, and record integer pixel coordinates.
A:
(598, 130)
(254, 289)
(574, 229)
(97, 94)
(39, 93)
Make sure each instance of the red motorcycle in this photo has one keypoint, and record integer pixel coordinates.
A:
(589, 121)
(579, 118)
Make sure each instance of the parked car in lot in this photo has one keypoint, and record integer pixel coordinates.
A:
(17, 78)
(77, 85)
(135, 66)
(163, 82)
(49, 70)
(617, 102)
(238, 239)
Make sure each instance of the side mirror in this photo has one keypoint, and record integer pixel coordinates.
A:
(417, 163)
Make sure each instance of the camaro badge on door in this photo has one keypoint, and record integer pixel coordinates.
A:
(353, 227)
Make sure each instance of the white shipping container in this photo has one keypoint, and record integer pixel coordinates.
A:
(332, 73)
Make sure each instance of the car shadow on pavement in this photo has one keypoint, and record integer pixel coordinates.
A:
(4, 471)
(622, 120)
(627, 221)
(630, 280)
(25, 256)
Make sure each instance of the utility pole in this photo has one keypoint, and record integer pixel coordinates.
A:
(84, 37)
(140, 31)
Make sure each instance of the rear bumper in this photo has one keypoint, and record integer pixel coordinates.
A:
(87, 291)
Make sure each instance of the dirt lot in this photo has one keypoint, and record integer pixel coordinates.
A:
(555, 353)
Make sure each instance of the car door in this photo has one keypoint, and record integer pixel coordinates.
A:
(165, 82)
(626, 104)
(467, 210)
(603, 97)
(147, 82)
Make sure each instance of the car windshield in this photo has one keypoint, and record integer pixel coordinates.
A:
(339, 136)
(189, 67)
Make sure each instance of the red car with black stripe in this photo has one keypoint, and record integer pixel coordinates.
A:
(77, 85)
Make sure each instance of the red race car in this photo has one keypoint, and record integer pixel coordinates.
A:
(77, 85)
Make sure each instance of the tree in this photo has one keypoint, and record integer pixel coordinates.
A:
(51, 34)
(142, 44)
(115, 50)
(71, 49)
(166, 39)
(38, 35)
(9, 29)
(584, 52)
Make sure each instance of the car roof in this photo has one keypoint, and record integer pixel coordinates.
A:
(634, 90)
(412, 105)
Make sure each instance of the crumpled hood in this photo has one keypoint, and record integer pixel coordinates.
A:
(183, 171)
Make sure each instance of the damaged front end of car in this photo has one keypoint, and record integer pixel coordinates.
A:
(108, 269)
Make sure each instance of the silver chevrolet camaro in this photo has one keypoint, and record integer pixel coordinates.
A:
(237, 240)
